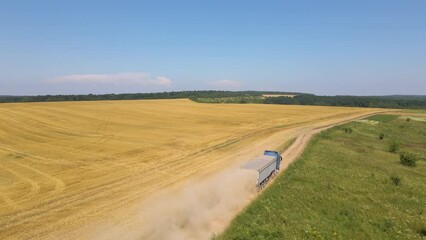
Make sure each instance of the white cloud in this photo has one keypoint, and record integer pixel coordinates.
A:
(139, 78)
(226, 84)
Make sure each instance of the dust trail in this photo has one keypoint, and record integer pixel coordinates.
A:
(196, 212)
(201, 209)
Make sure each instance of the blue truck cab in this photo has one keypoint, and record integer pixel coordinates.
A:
(275, 154)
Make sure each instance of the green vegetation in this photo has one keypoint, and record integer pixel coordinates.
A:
(396, 180)
(383, 118)
(199, 96)
(418, 102)
(348, 130)
(345, 186)
(407, 159)
(394, 146)
(411, 102)
(381, 136)
(129, 96)
(235, 99)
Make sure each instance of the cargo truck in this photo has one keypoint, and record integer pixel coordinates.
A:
(266, 166)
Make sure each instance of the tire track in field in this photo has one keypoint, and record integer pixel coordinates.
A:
(50, 206)
(9, 201)
(24, 129)
(93, 193)
(102, 128)
(73, 199)
(101, 138)
(35, 187)
(59, 185)
(45, 160)
(55, 127)
(96, 194)
(82, 196)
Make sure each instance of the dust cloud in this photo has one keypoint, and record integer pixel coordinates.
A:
(198, 211)
(201, 209)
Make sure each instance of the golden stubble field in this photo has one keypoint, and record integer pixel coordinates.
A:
(69, 164)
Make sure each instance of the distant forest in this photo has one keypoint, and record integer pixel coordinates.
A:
(241, 97)
(415, 102)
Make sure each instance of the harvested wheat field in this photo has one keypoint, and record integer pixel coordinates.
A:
(67, 165)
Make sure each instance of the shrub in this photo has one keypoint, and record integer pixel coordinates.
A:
(407, 159)
(422, 232)
(396, 180)
(381, 136)
(394, 146)
(408, 119)
(348, 130)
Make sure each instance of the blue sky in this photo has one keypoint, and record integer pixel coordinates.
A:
(324, 47)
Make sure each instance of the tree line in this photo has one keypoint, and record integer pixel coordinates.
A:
(415, 102)
(352, 101)
(125, 96)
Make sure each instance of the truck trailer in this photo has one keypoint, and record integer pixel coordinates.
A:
(266, 166)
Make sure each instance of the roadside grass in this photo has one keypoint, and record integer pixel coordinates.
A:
(345, 186)
(383, 118)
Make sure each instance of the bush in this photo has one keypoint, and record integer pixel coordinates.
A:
(381, 136)
(394, 146)
(348, 130)
(422, 232)
(407, 159)
(408, 119)
(396, 180)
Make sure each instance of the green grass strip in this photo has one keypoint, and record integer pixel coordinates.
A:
(345, 186)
